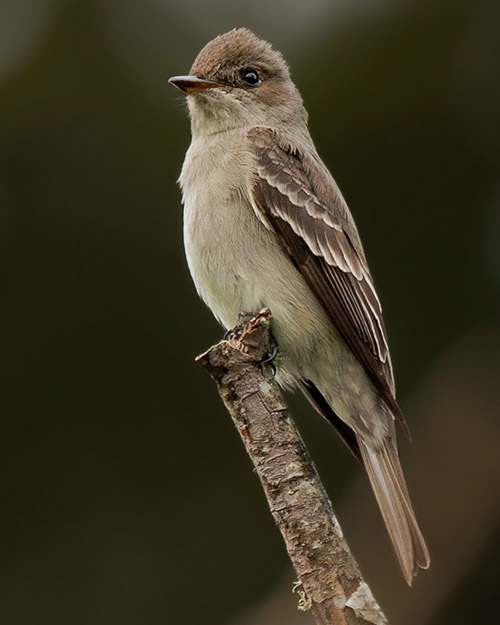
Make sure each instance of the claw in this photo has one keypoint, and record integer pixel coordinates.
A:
(272, 355)
(228, 334)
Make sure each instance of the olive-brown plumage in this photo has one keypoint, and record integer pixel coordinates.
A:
(266, 225)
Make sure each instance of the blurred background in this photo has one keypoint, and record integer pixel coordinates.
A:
(125, 494)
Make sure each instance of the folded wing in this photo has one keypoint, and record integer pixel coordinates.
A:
(298, 198)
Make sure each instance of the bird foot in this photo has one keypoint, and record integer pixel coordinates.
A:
(243, 318)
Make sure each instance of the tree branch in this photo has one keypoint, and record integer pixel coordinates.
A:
(333, 588)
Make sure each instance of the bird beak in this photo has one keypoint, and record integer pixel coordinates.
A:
(191, 84)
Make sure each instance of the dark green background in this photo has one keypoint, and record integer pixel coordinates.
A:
(125, 494)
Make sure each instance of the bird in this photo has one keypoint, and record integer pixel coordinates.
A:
(265, 225)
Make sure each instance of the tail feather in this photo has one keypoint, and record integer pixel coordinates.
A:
(391, 492)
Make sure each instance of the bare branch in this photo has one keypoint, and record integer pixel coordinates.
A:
(333, 588)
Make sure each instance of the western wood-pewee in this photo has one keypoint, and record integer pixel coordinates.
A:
(266, 225)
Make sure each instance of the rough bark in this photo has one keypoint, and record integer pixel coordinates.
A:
(331, 583)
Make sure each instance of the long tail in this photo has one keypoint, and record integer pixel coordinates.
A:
(388, 483)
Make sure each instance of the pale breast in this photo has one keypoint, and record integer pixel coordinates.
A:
(221, 230)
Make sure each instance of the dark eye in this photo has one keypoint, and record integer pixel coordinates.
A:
(251, 77)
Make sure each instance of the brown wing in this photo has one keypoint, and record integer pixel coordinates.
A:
(299, 199)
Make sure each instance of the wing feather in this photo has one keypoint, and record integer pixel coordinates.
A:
(302, 203)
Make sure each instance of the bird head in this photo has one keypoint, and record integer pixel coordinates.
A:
(238, 80)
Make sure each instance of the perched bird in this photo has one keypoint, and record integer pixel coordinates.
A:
(265, 225)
